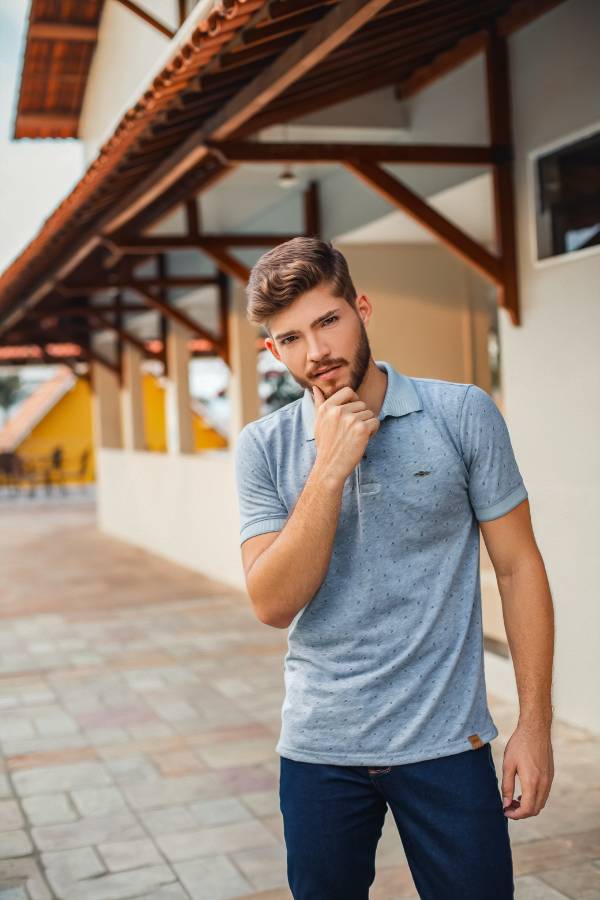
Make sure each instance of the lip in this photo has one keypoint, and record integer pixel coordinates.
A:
(330, 373)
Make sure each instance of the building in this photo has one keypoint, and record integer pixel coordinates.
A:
(449, 148)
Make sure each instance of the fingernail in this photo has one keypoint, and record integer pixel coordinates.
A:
(505, 802)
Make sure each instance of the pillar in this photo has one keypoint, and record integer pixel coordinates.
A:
(132, 399)
(180, 435)
(105, 407)
(243, 390)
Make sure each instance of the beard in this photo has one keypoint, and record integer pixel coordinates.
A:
(358, 365)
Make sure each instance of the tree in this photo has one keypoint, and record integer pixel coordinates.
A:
(11, 388)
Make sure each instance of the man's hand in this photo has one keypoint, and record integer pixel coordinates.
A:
(528, 754)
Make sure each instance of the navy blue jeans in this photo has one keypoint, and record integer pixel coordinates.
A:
(448, 812)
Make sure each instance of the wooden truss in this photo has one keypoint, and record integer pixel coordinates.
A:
(119, 241)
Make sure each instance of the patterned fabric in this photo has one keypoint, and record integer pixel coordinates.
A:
(385, 663)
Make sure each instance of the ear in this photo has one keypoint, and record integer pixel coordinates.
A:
(270, 346)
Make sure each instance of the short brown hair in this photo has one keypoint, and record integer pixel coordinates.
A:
(291, 269)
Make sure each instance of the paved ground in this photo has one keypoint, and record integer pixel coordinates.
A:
(139, 710)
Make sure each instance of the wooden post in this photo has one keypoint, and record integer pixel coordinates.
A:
(498, 92)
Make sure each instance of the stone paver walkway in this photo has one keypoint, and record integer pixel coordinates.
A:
(139, 711)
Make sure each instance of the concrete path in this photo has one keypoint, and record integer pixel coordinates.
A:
(139, 711)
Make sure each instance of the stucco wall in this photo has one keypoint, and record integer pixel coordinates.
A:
(551, 364)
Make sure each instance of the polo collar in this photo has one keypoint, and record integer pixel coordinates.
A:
(401, 397)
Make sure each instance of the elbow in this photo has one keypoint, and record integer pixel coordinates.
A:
(267, 615)
(275, 623)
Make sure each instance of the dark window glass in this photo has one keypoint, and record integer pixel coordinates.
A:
(569, 198)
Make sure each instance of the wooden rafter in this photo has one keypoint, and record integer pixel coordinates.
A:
(176, 315)
(175, 281)
(398, 194)
(208, 242)
(312, 210)
(226, 262)
(147, 17)
(498, 90)
(103, 321)
(294, 152)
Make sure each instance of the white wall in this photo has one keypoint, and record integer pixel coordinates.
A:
(551, 364)
(181, 507)
(127, 51)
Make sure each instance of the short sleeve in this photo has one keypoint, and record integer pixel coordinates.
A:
(495, 482)
(260, 506)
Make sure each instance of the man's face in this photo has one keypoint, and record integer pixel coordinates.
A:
(319, 331)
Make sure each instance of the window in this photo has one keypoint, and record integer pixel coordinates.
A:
(568, 197)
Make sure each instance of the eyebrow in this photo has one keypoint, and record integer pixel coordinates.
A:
(279, 337)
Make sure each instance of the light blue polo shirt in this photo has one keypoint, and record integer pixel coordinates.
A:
(385, 663)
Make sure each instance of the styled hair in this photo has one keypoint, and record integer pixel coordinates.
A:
(291, 269)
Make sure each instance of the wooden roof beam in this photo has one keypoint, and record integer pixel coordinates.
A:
(176, 315)
(396, 193)
(74, 290)
(164, 243)
(313, 152)
(105, 323)
(147, 17)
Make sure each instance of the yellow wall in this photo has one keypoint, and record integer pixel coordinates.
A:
(68, 425)
(205, 438)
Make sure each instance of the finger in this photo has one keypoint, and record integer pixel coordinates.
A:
(527, 802)
(508, 783)
(318, 395)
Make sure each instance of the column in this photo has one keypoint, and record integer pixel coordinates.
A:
(243, 389)
(105, 407)
(180, 436)
(132, 399)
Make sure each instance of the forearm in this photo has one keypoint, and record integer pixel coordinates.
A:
(529, 622)
(287, 575)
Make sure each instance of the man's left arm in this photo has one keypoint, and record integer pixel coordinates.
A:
(529, 621)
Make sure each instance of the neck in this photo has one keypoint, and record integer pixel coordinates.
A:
(373, 388)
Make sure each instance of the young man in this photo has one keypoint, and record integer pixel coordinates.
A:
(361, 505)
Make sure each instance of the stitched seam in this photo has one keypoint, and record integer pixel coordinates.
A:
(462, 451)
(481, 509)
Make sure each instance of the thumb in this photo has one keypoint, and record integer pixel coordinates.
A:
(318, 395)
(508, 785)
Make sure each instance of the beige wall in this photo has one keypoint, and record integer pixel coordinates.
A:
(430, 316)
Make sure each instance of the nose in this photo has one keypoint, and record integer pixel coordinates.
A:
(317, 350)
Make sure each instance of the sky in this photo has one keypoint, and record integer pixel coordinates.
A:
(35, 175)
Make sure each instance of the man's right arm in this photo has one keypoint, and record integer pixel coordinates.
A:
(287, 575)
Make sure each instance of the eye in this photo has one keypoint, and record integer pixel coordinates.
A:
(287, 339)
(330, 319)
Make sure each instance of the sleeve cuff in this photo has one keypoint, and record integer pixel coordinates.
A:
(261, 527)
(503, 506)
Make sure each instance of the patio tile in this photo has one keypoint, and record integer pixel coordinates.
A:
(264, 867)
(219, 839)
(64, 868)
(10, 815)
(214, 877)
(576, 882)
(119, 855)
(14, 843)
(121, 885)
(57, 778)
(98, 801)
(531, 888)
(220, 811)
(86, 832)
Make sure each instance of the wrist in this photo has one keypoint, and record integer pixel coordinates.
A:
(326, 478)
(539, 717)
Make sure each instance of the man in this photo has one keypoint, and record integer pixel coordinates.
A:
(361, 505)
